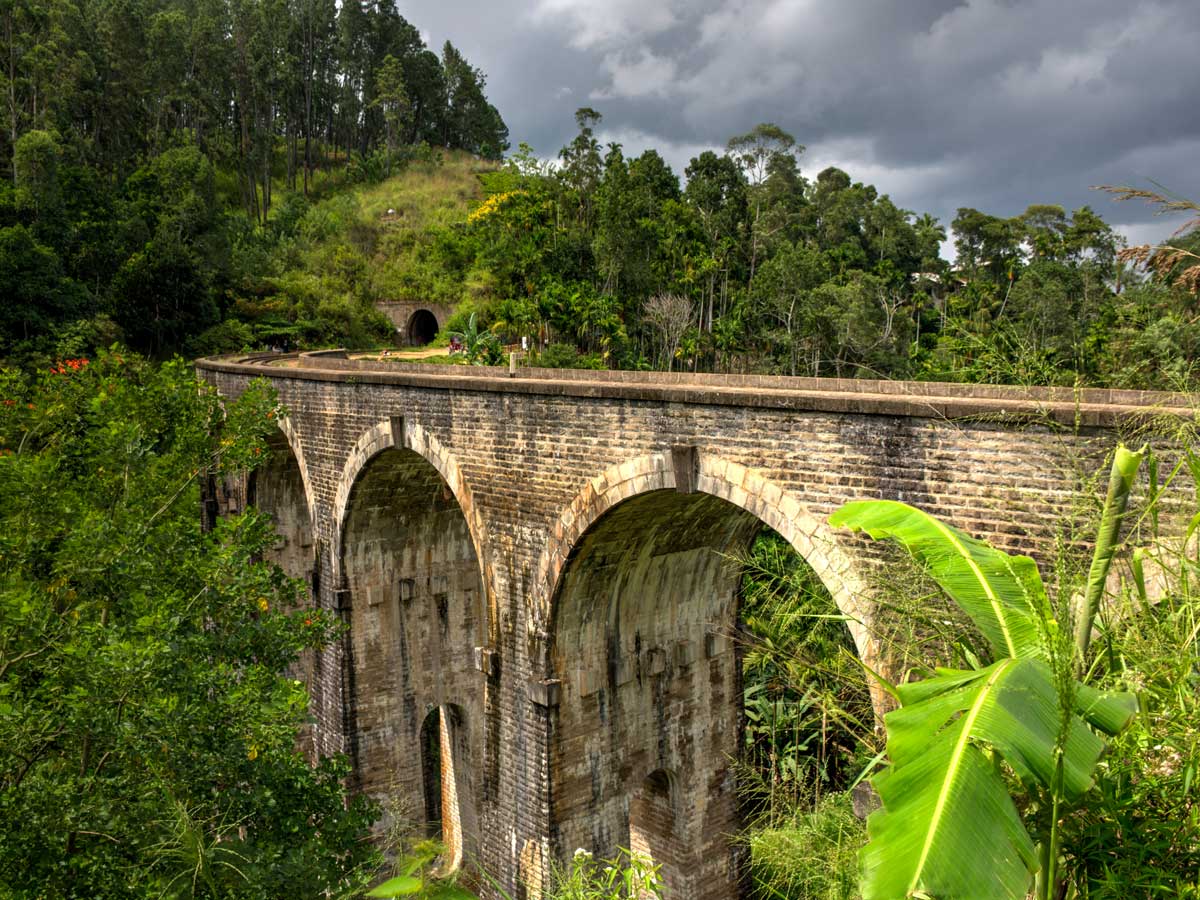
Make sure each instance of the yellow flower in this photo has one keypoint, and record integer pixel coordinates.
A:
(490, 205)
(262, 604)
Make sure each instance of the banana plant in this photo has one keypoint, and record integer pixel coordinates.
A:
(417, 879)
(948, 827)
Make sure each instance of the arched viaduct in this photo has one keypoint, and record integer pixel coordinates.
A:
(535, 570)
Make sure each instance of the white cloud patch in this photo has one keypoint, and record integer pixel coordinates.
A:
(597, 23)
(639, 74)
(1137, 233)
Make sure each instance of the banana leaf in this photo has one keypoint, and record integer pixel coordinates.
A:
(948, 827)
(1002, 594)
(400, 886)
(1120, 484)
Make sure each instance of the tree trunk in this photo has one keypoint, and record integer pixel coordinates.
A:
(12, 90)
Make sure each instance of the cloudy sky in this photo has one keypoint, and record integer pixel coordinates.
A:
(994, 104)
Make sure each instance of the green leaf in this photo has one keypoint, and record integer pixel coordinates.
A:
(948, 826)
(400, 886)
(1120, 483)
(1002, 594)
(451, 892)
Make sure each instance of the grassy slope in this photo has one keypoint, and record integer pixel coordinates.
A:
(343, 251)
(409, 253)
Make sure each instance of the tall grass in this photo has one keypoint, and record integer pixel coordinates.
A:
(811, 856)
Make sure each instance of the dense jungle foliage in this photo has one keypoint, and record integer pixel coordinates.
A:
(745, 265)
(147, 727)
(155, 159)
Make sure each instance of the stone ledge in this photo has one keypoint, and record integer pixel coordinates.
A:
(1087, 408)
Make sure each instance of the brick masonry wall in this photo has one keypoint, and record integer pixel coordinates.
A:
(599, 622)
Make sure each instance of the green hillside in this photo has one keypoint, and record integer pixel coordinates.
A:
(332, 259)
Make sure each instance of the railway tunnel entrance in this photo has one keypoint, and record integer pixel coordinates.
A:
(421, 329)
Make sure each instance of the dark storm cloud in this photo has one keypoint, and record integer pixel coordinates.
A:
(989, 103)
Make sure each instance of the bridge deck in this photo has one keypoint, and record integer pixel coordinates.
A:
(1087, 407)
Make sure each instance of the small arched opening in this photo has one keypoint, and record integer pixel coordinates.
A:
(653, 835)
(444, 764)
(415, 597)
(421, 329)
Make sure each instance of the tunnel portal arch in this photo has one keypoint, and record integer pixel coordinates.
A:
(422, 328)
(644, 613)
(414, 597)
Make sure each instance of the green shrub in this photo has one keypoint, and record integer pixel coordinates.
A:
(229, 336)
(627, 877)
(566, 356)
(812, 857)
(1138, 836)
(809, 723)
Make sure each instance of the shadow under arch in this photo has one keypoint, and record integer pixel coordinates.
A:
(422, 327)
(281, 488)
(413, 596)
(399, 433)
(642, 593)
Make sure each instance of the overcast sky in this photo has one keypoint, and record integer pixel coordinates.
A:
(994, 104)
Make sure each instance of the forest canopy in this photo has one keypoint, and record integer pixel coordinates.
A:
(144, 148)
(203, 176)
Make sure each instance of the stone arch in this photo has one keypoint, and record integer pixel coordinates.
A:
(642, 595)
(399, 433)
(421, 328)
(709, 474)
(412, 590)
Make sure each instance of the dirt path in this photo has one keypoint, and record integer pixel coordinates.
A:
(418, 353)
(402, 355)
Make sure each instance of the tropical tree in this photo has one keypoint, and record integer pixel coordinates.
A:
(148, 727)
(669, 315)
(392, 97)
(482, 348)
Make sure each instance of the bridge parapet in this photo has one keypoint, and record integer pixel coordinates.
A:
(1098, 407)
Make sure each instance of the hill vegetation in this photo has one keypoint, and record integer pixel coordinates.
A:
(157, 160)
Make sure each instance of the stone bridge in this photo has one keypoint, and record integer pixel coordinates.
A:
(535, 569)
